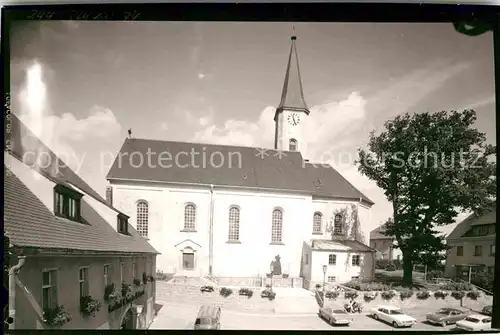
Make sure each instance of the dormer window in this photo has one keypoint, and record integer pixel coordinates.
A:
(67, 203)
(122, 224)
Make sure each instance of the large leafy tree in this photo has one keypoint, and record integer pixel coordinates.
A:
(431, 167)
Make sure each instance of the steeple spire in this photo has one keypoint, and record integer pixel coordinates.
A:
(292, 97)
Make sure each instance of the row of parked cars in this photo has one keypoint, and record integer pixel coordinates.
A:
(397, 318)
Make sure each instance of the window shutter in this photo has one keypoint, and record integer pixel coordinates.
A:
(54, 289)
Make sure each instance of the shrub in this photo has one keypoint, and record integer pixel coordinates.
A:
(108, 290)
(56, 316)
(456, 286)
(271, 295)
(160, 275)
(369, 296)
(225, 292)
(151, 278)
(390, 267)
(127, 293)
(388, 295)
(458, 294)
(354, 284)
(269, 275)
(137, 282)
(473, 295)
(423, 295)
(114, 300)
(318, 286)
(406, 294)
(440, 294)
(434, 274)
(350, 295)
(144, 278)
(483, 280)
(332, 295)
(246, 292)
(269, 286)
(357, 285)
(285, 275)
(381, 264)
(89, 306)
(207, 288)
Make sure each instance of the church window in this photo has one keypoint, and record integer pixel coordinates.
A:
(234, 223)
(142, 218)
(337, 225)
(292, 146)
(190, 217)
(277, 226)
(356, 260)
(188, 259)
(317, 218)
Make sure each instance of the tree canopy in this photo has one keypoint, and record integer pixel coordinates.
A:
(431, 166)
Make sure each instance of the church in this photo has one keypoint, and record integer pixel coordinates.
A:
(231, 211)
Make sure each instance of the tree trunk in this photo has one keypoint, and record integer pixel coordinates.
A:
(407, 267)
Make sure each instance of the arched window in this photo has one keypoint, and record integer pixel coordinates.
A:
(337, 225)
(234, 223)
(190, 217)
(317, 218)
(277, 226)
(292, 145)
(142, 218)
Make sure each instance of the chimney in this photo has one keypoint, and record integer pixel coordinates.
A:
(109, 195)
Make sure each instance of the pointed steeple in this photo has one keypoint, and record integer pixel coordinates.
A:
(292, 97)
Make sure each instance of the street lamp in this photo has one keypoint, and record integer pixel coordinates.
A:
(324, 276)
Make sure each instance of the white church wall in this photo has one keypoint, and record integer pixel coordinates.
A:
(254, 254)
(365, 217)
(343, 270)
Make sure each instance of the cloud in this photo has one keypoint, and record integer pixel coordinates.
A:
(78, 141)
(486, 101)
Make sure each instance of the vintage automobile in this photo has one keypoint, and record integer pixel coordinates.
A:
(335, 316)
(475, 322)
(393, 315)
(446, 316)
(488, 310)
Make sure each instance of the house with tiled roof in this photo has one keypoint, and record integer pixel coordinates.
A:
(232, 211)
(76, 261)
(472, 246)
(384, 244)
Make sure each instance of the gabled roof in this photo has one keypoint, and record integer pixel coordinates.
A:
(292, 97)
(473, 220)
(29, 223)
(379, 233)
(244, 167)
(340, 245)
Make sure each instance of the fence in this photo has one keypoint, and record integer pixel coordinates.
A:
(259, 281)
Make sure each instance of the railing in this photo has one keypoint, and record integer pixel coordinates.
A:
(478, 287)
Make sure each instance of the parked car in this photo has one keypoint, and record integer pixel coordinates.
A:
(335, 316)
(446, 316)
(488, 310)
(475, 322)
(208, 317)
(393, 315)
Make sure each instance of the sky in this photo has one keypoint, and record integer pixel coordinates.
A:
(81, 85)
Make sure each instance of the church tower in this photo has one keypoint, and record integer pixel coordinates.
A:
(292, 111)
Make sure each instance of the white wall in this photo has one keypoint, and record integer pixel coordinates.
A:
(343, 270)
(252, 256)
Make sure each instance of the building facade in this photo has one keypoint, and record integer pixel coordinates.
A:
(219, 210)
(384, 245)
(76, 262)
(472, 247)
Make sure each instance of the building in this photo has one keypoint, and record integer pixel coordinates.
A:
(70, 251)
(472, 247)
(230, 211)
(384, 245)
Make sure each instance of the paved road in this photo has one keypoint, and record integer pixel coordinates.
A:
(172, 316)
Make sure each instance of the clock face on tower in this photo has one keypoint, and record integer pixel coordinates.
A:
(293, 119)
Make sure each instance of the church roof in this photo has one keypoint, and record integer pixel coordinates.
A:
(292, 97)
(232, 166)
(29, 223)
